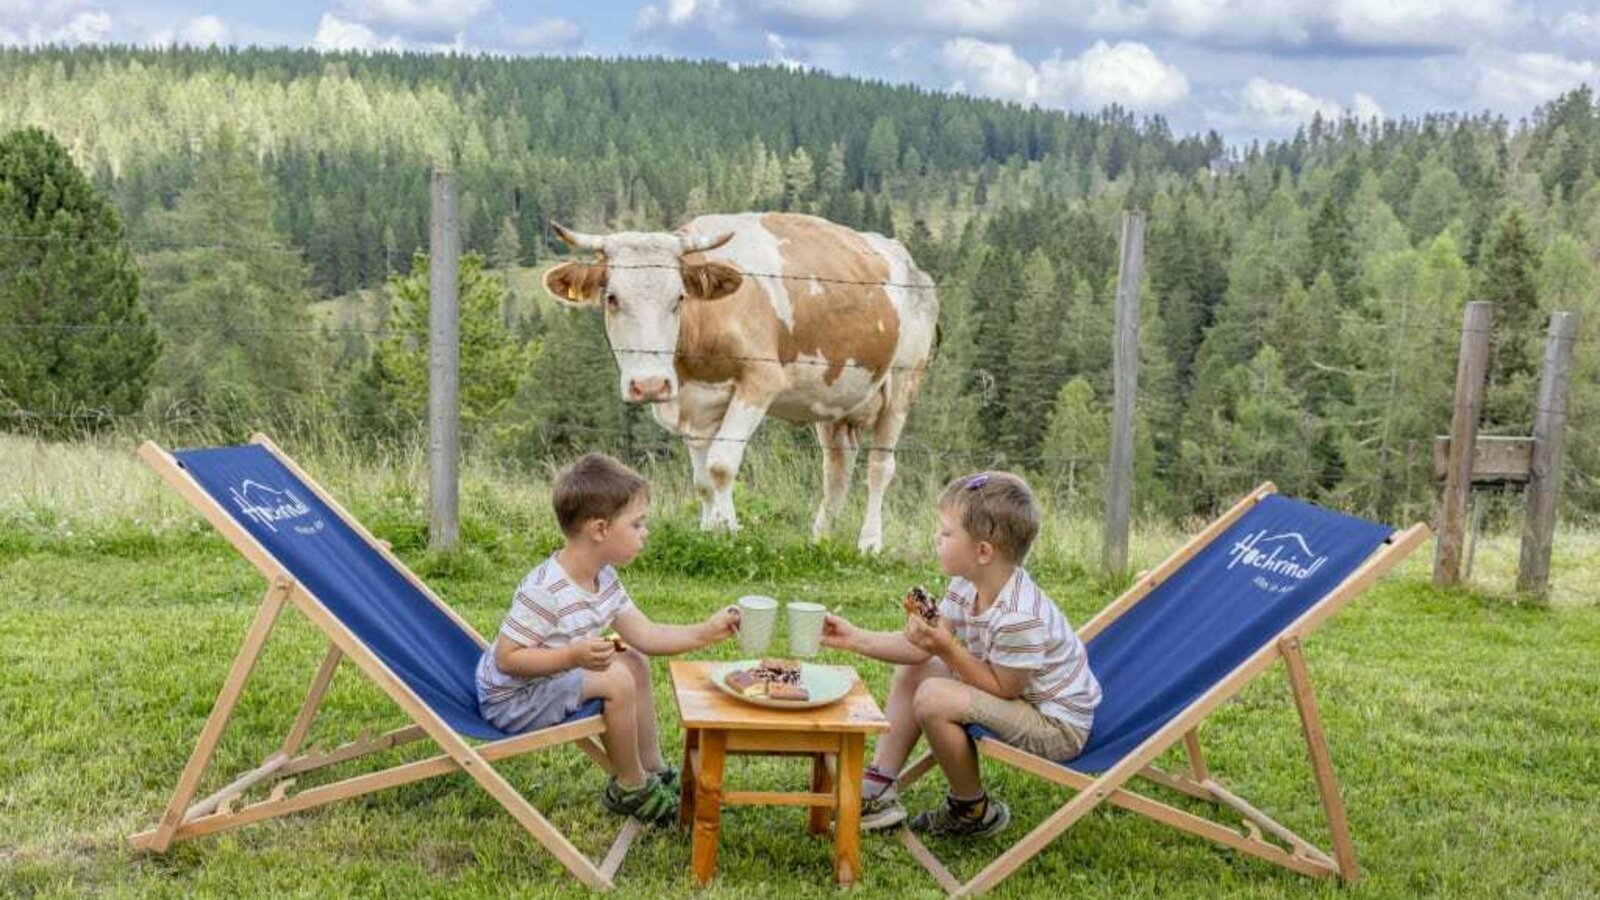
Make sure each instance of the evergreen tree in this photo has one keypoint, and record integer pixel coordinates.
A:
(394, 388)
(1506, 279)
(231, 303)
(1077, 443)
(74, 337)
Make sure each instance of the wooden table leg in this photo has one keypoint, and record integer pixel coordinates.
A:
(847, 826)
(708, 804)
(686, 778)
(821, 783)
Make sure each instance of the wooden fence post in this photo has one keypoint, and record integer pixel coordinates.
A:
(1471, 368)
(1125, 391)
(444, 365)
(1549, 433)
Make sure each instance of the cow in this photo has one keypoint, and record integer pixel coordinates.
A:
(736, 317)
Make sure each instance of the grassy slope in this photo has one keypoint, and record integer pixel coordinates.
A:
(1463, 728)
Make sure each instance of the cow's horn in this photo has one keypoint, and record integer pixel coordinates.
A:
(701, 243)
(577, 238)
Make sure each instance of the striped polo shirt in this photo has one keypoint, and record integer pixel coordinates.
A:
(1024, 630)
(549, 611)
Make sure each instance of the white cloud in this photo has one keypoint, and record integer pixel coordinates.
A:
(1525, 80)
(31, 22)
(1576, 25)
(203, 31)
(430, 17)
(1268, 24)
(1268, 107)
(1126, 73)
(1418, 22)
(334, 33)
(547, 34)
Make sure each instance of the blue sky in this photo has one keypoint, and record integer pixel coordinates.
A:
(1247, 68)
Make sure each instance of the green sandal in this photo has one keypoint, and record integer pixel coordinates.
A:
(652, 803)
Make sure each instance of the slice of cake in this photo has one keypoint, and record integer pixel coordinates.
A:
(787, 692)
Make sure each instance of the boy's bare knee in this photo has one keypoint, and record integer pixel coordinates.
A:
(939, 699)
(614, 684)
(637, 665)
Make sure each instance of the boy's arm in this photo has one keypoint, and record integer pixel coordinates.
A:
(885, 646)
(1001, 681)
(657, 639)
(531, 662)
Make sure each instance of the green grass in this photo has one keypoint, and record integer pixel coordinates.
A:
(1464, 728)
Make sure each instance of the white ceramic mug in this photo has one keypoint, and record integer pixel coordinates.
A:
(758, 619)
(805, 627)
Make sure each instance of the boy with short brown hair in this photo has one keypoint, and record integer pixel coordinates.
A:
(549, 656)
(999, 654)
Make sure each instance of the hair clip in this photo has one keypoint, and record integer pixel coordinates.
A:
(977, 481)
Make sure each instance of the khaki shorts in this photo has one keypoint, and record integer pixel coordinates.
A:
(1021, 724)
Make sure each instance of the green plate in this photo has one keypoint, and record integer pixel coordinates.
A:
(827, 684)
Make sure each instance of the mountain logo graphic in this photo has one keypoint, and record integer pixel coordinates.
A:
(1279, 559)
(268, 506)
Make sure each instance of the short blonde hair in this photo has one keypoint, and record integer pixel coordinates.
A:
(997, 507)
(594, 487)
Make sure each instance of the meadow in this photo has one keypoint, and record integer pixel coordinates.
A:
(1463, 724)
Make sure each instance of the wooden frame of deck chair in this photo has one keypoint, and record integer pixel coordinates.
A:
(183, 820)
(1110, 786)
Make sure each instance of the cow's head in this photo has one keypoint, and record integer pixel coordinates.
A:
(640, 280)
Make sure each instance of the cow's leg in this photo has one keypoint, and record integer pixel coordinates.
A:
(838, 440)
(738, 426)
(880, 463)
(699, 449)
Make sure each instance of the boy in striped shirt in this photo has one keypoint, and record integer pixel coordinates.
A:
(550, 656)
(1000, 654)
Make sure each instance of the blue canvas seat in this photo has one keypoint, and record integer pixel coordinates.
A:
(376, 614)
(1187, 636)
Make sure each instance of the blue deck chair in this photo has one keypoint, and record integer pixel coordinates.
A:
(376, 613)
(1187, 636)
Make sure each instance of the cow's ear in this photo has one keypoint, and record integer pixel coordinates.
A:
(576, 283)
(711, 280)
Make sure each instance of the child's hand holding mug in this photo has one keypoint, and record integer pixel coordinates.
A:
(723, 624)
(837, 632)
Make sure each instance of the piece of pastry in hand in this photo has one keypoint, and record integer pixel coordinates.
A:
(918, 602)
(787, 692)
(616, 641)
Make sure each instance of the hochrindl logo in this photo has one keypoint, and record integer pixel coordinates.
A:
(270, 507)
(1281, 560)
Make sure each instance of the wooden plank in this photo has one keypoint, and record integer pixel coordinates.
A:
(1305, 700)
(1471, 368)
(619, 848)
(1125, 392)
(1175, 783)
(239, 785)
(708, 805)
(779, 798)
(189, 781)
(822, 782)
(1267, 823)
(927, 860)
(308, 709)
(1496, 458)
(687, 777)
(1158, 576)
(383, 548)
(847, 826)
(1549, 436)
(354, 750)
(783, 743)
(1197, 759)
(444, 364)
